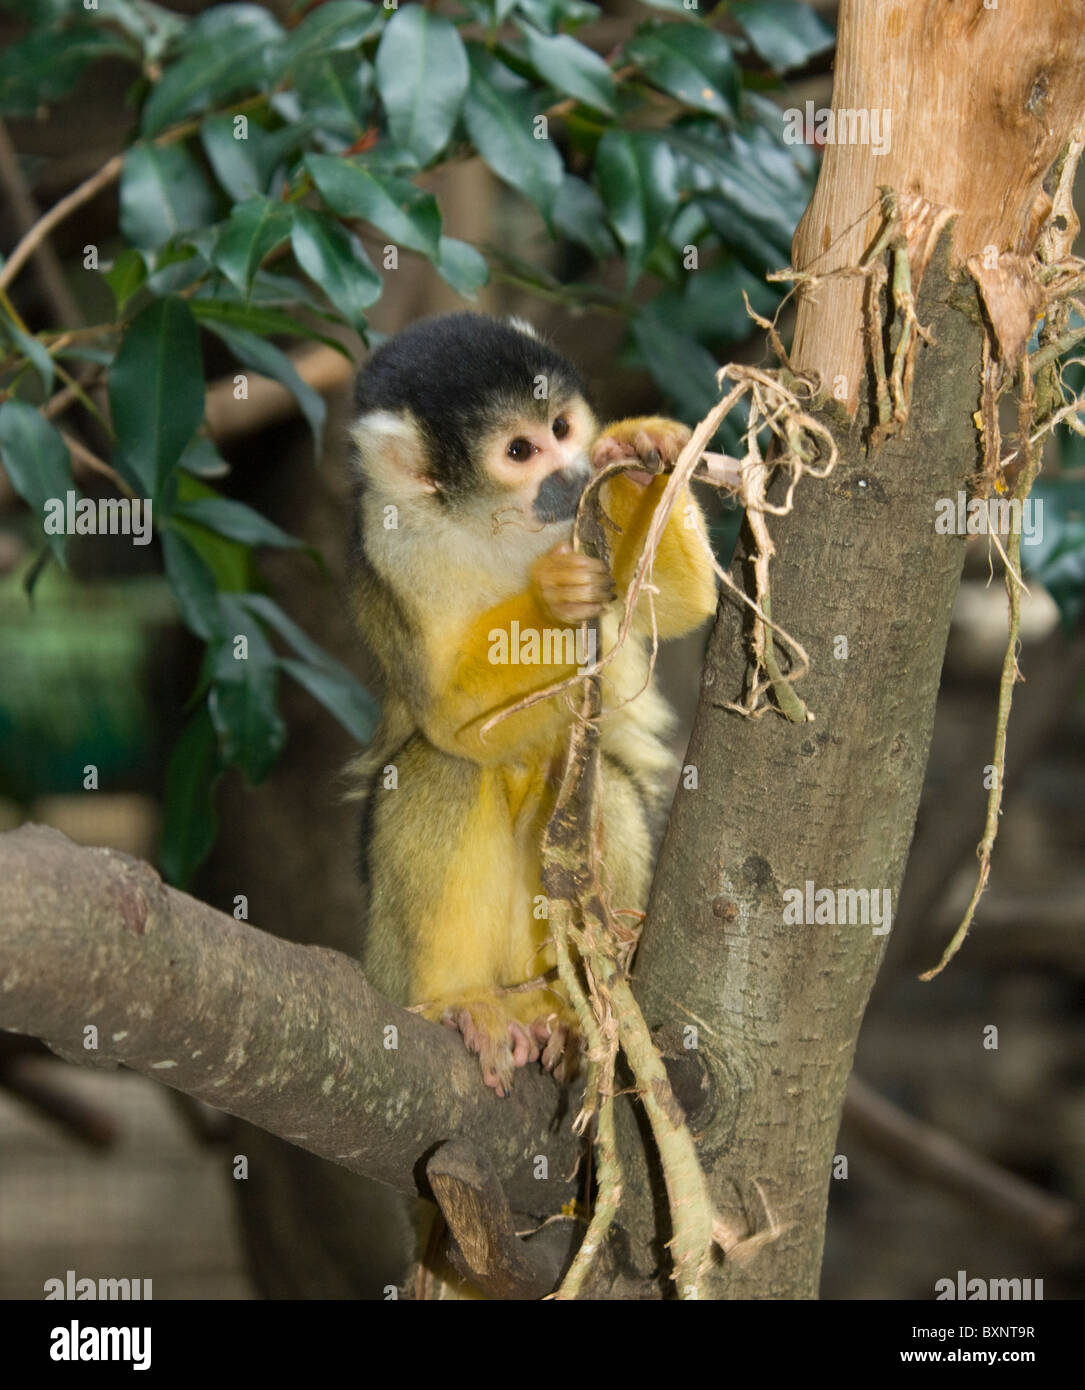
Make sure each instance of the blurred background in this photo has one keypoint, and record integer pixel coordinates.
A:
(111, 1175)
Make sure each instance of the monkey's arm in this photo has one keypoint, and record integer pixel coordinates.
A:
(682, 572)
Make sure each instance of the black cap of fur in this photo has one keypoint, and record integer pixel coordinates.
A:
(458, 376)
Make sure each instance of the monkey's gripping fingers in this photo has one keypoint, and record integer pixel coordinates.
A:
(572, 586)
(501, 1044)
(654, 440)
(560, 1043)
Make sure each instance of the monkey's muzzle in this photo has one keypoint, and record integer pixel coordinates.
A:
(559, 493)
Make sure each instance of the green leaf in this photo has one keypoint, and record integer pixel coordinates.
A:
(464, 268)
(163, 193)
(244, 688)
(285, 292)
(265, 358)
(691, 62)
(153, 27)
(580, 215)
(333, 27)
(271, 305)
(400, 210)
(710, 306)
(41, 12)
(548, 14)
(500, 114)
(637, 177)
(1057, 556)
(178, 266)
(342, 697)
(337, 690)
(244, 166)
(336, 260)
(77, 352)
(32, 349)
(190, 823)
(256, 318)
(202, 459)
(255, 228)
(571, 68)
(239, 165)
(751, 191)
(422, 77)
(786, 34)
(156, 392)
(43, 67)
(332, 92)
(684, 370)
(124, 277)
(193, 584)
(297, 638)
(231, 564)
(238, 522)
(36, 461)
(227, 50)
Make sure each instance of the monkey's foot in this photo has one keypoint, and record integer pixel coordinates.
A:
(501, 1042)
(653, 439)
(560, 1043)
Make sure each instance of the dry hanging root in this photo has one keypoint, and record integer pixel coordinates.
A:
(1016, 291)
(597, 983)
(802, 445)
(593, 946)
(910, 230)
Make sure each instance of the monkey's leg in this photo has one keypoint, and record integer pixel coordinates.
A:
(447, 888)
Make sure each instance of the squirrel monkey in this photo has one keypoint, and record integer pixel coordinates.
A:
(474, 443)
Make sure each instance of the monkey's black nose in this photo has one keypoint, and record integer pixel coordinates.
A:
(559, 493)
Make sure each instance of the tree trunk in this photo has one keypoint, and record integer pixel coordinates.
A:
(982, 103)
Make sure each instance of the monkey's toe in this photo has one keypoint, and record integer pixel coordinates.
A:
(500, 1043)
(524, 1047)
(560, 1043)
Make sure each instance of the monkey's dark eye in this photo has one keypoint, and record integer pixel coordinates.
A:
(561, 427)
(520, 449)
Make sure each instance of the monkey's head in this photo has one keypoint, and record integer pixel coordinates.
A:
(476, 419)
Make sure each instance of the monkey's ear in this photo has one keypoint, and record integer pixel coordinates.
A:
(392, 454)
(522, 326)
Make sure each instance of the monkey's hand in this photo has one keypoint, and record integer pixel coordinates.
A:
(571, 586)
(682, 566)
(652, 439)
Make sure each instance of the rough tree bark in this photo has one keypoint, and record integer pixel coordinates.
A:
(982, 102)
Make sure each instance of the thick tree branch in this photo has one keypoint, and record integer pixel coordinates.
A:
(288, 1037)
